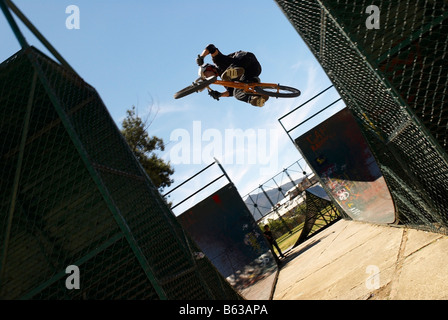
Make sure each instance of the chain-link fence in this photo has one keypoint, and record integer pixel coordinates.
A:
(387, 60)
(284, 204)
(72, 193)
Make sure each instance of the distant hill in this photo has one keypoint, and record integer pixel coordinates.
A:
(263, 204)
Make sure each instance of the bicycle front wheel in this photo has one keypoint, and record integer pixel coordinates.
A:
(278, 91)
(195, 87)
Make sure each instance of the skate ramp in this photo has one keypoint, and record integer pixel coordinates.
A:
(228, 235)
(394, 82)
(73, 194)
(338, 153)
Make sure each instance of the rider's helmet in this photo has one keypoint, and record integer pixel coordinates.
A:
(207, 67)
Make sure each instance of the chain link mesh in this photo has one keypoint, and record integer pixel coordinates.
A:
(394, 80)
(72, 193)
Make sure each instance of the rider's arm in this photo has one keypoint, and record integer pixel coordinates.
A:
(210, 49)
(216, 95)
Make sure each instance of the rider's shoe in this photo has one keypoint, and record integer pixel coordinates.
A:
(232, 73)
(258, 101)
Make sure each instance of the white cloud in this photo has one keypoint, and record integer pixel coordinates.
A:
(170, 108)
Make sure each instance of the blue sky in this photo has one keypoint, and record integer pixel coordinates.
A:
(140, 53)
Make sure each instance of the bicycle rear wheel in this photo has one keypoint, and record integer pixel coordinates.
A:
(195, 87)
(278, 91)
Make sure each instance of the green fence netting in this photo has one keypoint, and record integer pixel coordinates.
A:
(320, 213)
(394, 80)
(72, 193)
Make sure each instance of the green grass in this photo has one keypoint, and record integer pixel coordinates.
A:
(288, 239)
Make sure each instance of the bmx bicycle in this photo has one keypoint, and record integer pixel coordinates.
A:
(253, 88)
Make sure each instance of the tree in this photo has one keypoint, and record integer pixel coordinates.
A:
(144, 147)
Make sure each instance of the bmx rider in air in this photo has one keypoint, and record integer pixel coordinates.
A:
(239, 66)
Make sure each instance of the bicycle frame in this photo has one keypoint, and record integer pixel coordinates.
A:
(252, 88)
(247, 87)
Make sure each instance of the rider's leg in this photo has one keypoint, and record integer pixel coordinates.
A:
(244, 67)
(241, 95)
(251, 65)
(255, 100)
(232, 73)
(258, 101)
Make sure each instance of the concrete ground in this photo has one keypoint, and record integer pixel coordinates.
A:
(356, 261)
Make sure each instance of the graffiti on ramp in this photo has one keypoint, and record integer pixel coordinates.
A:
(341, 157)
